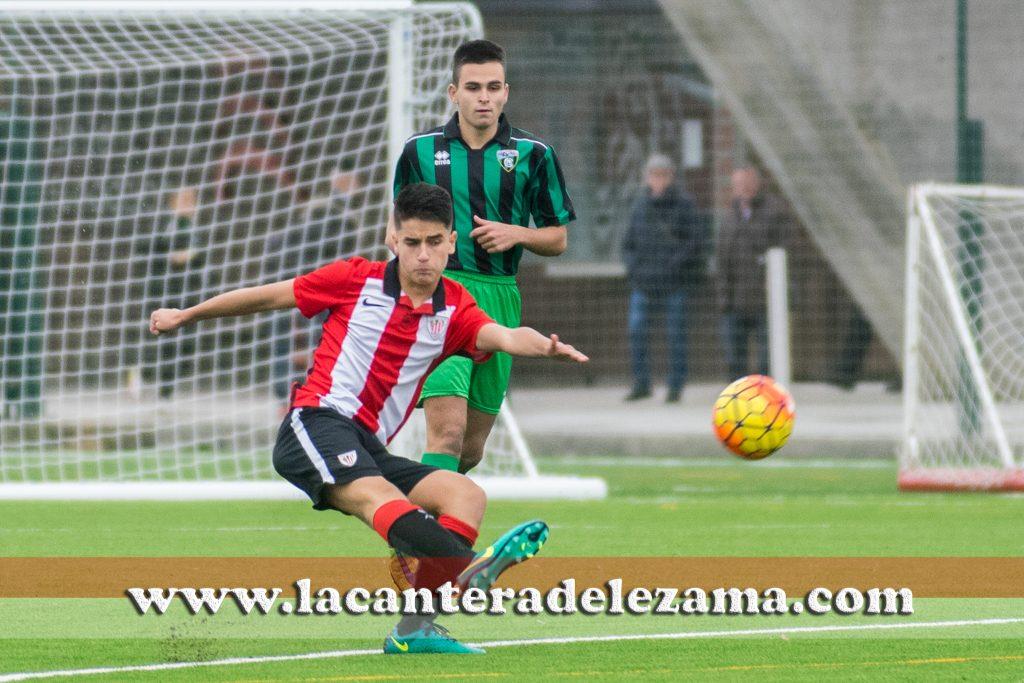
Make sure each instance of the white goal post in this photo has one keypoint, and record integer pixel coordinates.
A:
(158, 155)
(964, 339)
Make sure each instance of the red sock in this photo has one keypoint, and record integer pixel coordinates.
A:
(411, 531)
(388, 513)
(461, 529)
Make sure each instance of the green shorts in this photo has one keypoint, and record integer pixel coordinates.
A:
(483, 385)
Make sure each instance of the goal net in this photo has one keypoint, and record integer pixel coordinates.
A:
(155, 158)
(964, 339)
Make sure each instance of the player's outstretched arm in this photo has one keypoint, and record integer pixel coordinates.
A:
(525, 341)
(236, 302)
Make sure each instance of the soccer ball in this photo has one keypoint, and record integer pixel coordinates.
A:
(754, 416)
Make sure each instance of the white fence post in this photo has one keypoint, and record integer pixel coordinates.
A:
(778, 315)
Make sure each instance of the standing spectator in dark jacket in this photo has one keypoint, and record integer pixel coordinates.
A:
(174, 278)
(326, 229)
(662, 250)
(756, 222)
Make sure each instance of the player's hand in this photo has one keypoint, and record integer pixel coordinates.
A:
(494, 236)
(566, 352)
(165, 320)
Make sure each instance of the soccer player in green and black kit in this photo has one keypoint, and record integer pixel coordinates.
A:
(499, 177)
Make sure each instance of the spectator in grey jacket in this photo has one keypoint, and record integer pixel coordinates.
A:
(755, 222)
(663, 255)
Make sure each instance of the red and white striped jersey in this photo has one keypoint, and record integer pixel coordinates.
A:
(376, 349)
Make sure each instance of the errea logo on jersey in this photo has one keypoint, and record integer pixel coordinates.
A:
(442, 158)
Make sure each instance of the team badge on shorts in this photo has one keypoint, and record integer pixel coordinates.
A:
(347, 459)
(436, 327)
(508, 158)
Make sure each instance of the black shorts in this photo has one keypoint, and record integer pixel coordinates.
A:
(319, 446)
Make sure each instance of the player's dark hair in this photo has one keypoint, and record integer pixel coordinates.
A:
(476, 52)
(425, 202)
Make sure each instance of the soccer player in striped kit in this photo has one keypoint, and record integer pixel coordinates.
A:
(389, 325)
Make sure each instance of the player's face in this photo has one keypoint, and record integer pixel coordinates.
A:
(480, 94)
(423, 250)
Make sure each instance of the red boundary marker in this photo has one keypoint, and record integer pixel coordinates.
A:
(960, 479)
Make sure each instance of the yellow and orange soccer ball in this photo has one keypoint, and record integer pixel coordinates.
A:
(754, 416)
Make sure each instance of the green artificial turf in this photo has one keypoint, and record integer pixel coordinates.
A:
(656, 508)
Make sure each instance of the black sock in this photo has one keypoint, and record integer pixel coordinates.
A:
(462, 539)
(417, 534)
(442, 555)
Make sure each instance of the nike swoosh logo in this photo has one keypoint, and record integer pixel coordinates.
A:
(404, 647)
(487, 554)
(366, 302)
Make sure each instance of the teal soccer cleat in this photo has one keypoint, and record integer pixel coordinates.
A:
(431, 639)
(516, 545)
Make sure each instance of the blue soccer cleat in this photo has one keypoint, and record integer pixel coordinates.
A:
(431, 639)
(516, 545)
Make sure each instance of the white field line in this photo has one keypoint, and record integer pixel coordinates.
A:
(66, 673)
(725, 461)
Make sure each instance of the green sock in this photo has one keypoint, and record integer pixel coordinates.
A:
(441, 461)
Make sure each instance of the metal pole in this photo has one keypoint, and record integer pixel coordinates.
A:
(970, 259)
(400, 85)
(778, 314)
(961, 78)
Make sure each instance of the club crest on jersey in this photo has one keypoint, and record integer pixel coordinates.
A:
(436, 327)
(347, 459)
(508, 158)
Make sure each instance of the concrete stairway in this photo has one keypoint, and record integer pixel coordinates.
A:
(843, 189)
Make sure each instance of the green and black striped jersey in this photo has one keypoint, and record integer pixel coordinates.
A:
(513, 177)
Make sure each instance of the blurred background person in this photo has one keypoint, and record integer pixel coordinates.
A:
(22, 303)
(849, 362)
(755, 222)
(663, 255)
(322, 230)
(852, 352)
(174, 272)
